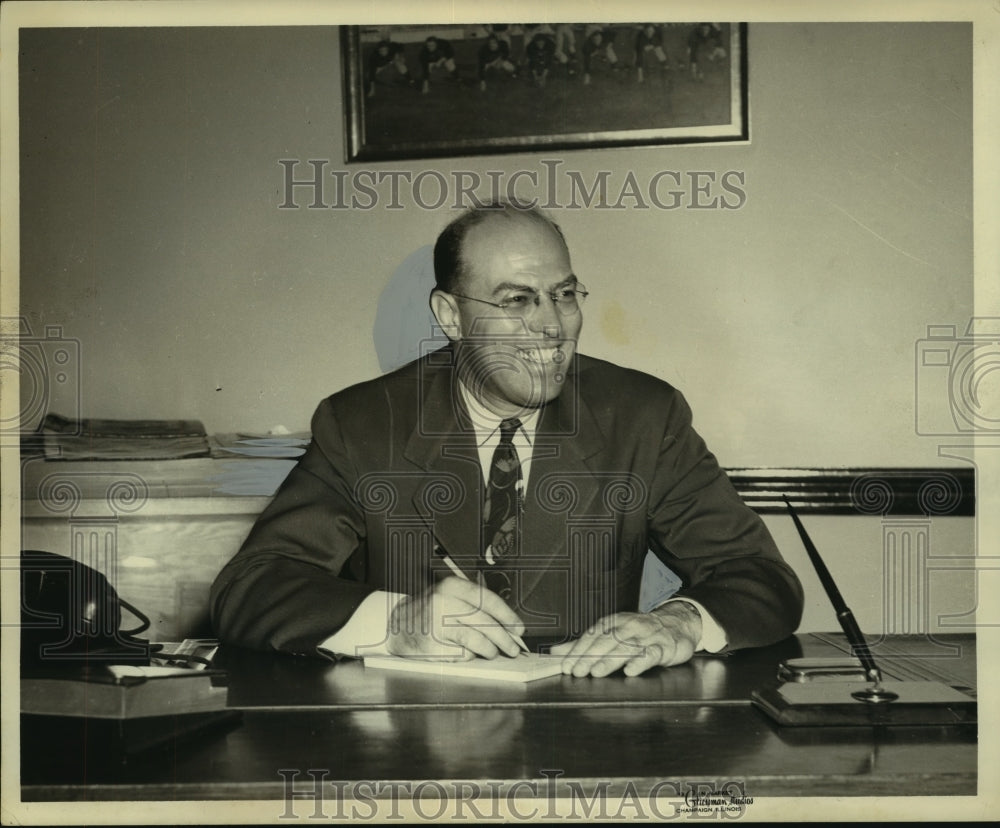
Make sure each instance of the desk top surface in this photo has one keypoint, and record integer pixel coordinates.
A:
(281, 682)
(678, 723)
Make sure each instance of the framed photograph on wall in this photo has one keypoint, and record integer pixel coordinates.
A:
(426, 91)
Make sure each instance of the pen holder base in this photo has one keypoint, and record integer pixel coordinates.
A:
(828, 704)
(875, 695)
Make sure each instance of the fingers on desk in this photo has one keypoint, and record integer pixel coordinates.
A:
(630, 640)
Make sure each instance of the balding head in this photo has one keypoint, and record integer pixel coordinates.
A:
(450, 263)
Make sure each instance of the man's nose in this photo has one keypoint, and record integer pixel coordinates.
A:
(546, 318)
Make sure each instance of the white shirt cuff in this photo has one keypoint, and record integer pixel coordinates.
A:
(367, 630)
(713, 637)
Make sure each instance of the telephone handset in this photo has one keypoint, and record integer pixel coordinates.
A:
(71, 615)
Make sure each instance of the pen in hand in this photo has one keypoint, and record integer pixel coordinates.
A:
(460, 574)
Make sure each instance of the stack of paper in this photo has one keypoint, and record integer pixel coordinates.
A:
(523, 668)
(93, 439)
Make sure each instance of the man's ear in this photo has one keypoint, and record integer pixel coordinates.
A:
(445, 310)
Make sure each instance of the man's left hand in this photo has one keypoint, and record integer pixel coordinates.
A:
(637, 641)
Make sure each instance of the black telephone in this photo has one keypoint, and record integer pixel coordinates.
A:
(71, 615)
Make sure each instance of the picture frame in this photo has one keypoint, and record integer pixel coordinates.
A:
(432, 91)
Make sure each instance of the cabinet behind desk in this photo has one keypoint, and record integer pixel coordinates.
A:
(159, 530)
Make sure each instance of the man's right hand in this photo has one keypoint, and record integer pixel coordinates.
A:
(454, 620)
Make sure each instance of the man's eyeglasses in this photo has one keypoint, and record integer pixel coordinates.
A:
(522, 303)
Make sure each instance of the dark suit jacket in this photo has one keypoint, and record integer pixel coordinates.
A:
(393, 470)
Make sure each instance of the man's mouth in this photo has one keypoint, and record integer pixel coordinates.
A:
(542, 355)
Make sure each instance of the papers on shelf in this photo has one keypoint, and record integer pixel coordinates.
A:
(97, 439)
(265, 446)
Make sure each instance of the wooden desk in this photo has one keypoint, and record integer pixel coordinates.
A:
(689, 725)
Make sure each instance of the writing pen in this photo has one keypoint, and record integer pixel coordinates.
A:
(460, 574)
(844, 615)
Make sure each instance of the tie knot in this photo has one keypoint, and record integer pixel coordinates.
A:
(507, 429)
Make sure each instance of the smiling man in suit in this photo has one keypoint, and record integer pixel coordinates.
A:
(502, 486)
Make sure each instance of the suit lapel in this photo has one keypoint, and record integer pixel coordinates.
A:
(562, 484)
(443, 444)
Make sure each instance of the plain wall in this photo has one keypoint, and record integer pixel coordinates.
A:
(152, 235)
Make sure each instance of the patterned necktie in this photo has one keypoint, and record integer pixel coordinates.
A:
(502, 512)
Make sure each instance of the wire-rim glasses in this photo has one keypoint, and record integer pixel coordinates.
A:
(521, 304)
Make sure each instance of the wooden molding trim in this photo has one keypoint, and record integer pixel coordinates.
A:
(897, 492)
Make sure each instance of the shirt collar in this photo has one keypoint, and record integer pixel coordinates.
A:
(486, 423)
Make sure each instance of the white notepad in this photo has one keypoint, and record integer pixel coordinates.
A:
(524, 667)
